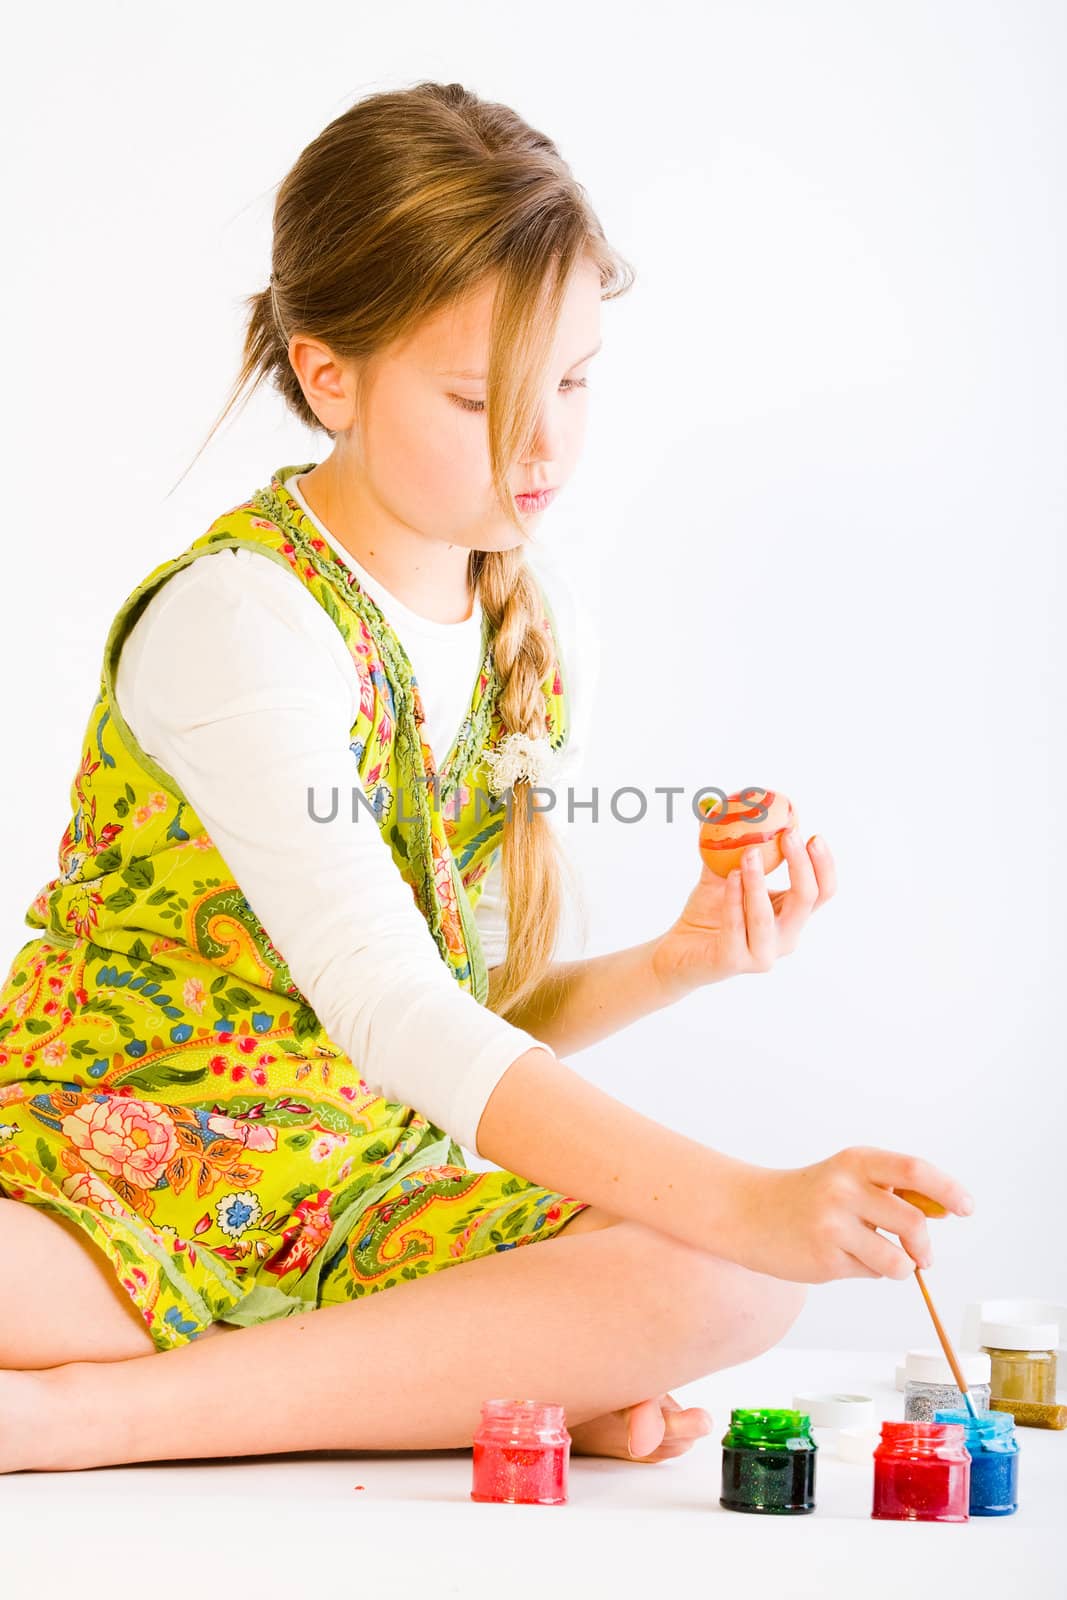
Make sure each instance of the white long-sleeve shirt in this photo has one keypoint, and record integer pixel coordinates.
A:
(239, 685)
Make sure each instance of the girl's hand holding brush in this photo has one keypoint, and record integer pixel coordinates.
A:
(813, 1224)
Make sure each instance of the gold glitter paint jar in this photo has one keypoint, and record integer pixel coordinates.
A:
(1023, 1358)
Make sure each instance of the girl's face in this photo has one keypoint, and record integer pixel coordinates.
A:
(422, 455)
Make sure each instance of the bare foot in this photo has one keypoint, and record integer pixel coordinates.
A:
(651, 1430)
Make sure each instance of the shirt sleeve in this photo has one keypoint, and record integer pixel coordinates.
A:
(236, 681)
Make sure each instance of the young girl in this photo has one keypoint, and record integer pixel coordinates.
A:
(240, 1059)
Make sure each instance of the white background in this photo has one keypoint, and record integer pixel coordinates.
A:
(820, 516)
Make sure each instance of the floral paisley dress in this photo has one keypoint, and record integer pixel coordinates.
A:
(166, 1087)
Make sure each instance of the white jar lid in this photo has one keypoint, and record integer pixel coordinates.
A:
(930, 1366)
(1019, 1335)
(836, 1410)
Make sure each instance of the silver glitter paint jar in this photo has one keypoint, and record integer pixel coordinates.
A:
(929, 1385)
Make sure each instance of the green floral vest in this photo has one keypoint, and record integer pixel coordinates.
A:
(135, 861)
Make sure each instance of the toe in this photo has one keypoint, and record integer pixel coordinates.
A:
(692, 1423)
(689, 1422)
(646, 1429)
(661, 1425)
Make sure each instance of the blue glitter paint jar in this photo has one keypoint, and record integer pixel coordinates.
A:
(994, 1452)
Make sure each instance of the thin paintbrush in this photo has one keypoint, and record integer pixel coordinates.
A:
(950, 1354)
(934, 1208)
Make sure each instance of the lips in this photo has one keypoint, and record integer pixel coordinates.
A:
(535, 502)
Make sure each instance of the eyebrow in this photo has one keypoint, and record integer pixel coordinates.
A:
(468, 374)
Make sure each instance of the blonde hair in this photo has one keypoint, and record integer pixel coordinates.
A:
(408, 200)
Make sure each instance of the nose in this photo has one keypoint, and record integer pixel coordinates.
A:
(547, 444)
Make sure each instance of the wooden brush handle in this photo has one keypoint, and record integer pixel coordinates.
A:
(950, 1354)
(930, 1208)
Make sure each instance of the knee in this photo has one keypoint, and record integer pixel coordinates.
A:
(766, 1309)
(737, 1314)
(711, 1313)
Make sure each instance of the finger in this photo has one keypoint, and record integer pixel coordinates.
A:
(802, 875)
(895, 1170)
(859, 1269)
(794, 907)
(887, 1210)
(733, 921)
(818, 852)
(759, 918)
(886, 1259)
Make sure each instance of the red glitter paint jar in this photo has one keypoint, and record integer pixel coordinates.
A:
(521, 1451)
(922, 1473)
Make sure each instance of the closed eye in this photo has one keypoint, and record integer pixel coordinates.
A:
(568, 385)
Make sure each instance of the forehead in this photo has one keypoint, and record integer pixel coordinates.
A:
(455, 340)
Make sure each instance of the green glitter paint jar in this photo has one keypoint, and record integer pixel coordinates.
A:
(768, 1462)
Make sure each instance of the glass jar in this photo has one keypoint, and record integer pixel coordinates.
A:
(768, 1462)
(922, 1473)
(521, 1453)
(1023, 1355)
(929, 1385)
(994, 1452)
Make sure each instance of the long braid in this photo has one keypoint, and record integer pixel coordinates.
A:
(523, 655)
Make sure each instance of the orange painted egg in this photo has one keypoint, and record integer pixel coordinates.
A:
(753, 816)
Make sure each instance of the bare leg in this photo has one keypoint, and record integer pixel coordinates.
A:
(653, 1430)
(71, 1308)
(69, 1305)
(407, 1368)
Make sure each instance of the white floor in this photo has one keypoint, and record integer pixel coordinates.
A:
(297, 1524)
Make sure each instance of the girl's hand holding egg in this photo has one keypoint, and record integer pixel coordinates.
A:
(731, 923)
